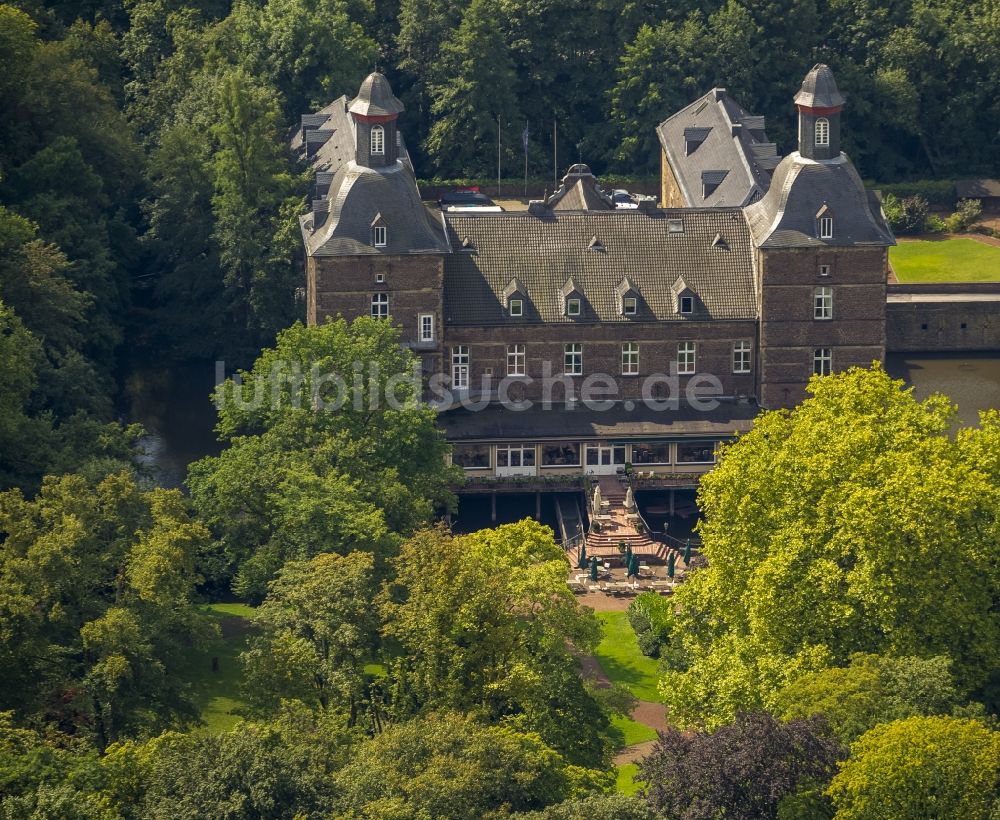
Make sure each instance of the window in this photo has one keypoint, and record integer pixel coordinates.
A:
(517, 307)
(573, 357)
(685, 358)
(630, 359)
(822, 131)
(426, 327)
(687, 304)
(741, 357)
(515, 360)
(823, 303)
(650, 453)
(572, 307)
(824, 270)
(822, 361)
(379, 236)
(378, 140)
(379, 278)
(471, 456)
(826, 227)
(560, 455)
(460, 367)
(696, 452)
(380, 305)
(629, 306)
(515, 455)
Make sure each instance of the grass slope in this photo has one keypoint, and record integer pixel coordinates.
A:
(632, 731)
(217, 694)
(945, 260)
(619, 656)
(625, 782)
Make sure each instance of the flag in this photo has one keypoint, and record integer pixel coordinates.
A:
(524, 139)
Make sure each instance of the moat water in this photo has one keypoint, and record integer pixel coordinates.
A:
(174, 405)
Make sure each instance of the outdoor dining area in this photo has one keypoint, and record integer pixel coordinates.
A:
(594, 575)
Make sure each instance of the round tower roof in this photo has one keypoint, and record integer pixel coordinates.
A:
(819, 89)
(375, 98)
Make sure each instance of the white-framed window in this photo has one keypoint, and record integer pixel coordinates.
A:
(741, 357)
(826, 227)
(822, 361)
(515, 360)
(822, 131)
(380, 305)
(517, 307)
(380, 236)
(378, 140)
(460, 367)
(515, 455)
(687, 304)
(629, 306)
(572, 307)
(686, 358)
(426, 321)
(823, 303)
(824, 270)
(573, 359)
(630, 359)
(379, 278)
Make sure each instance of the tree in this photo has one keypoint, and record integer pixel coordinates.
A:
(318, 629)
(487, 625)
(921, 767)
(595, 807)
(851, 524)
(96, 586)
(450, 766)
(741, 770)
(307, 472)
(475, 90)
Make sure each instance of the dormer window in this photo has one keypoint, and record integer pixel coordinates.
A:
(687, 304)
(629, 306)
(517, 307)
(628, 297)
(378, 140)
(826, 227)
(514, 297)
(380, 236)
(822, 131)
(572, 299)
(572, 307)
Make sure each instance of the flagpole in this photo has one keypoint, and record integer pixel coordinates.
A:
(498, 156)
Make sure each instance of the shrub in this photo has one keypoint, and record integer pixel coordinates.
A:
(935, 224)
(940, 193)
(969, 210)
(651, 617)
(906, 216)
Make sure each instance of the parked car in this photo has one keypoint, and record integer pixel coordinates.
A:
(465, 199)
(622, 199)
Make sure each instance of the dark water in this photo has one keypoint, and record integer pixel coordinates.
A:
(970, 380)
(174, 405)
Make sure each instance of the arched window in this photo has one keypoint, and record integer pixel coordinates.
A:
(822, 131)
(378, 140)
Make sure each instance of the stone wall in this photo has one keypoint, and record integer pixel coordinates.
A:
(943, 318)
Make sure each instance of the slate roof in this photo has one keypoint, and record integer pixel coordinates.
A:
(579, 192)
(714, 135)
(786, 216)
(498, 422)
(544, 248)
(375, 98)
(342, 224)
(819, 89)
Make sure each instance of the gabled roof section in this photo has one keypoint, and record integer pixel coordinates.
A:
(547, 250)
(787, 215)
(625, 287)
(569, 288)
(579, 192)
(715, 134)
(514, 287)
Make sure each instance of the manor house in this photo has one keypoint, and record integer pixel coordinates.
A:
(753, 274)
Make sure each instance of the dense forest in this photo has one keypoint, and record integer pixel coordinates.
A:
(148, 212)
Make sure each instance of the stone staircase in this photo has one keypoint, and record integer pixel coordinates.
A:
(604, 544)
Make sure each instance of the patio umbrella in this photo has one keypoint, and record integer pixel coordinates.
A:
(687, 552)
(597, 500)
(670, 566)
(628, 554)
(634, 564)
(582, 562)
(593, 569)
(629, 500)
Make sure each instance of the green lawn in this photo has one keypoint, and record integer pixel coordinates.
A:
(945, 260)
(625, 784)
(632, 731)
(619, 655)
(217, 694)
